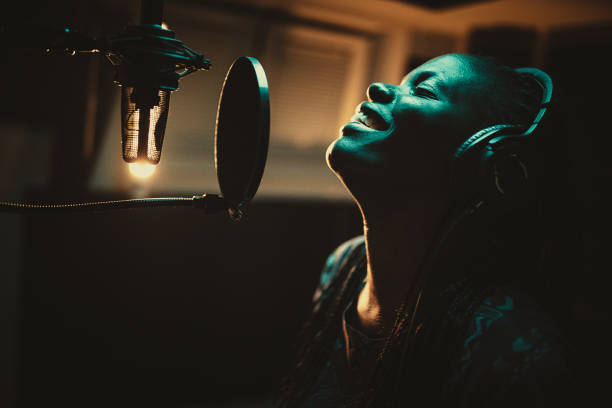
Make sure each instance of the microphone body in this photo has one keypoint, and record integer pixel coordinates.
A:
(146, 74)
(146, 57)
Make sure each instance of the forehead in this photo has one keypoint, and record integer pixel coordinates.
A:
(456, 75)
(454, 69)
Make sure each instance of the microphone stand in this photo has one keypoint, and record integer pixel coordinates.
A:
(209, 203)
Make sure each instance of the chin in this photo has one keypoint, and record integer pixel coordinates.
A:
(340, 158)
(331, 155)
(328, 154)
(347, 156)
(350, 169)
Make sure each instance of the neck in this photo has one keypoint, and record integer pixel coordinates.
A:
(395, 245)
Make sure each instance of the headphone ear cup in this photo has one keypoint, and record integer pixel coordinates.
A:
(479, 138)
(471, 160)
(503, 167)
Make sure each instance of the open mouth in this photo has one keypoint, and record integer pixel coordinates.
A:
(368, 117)
(365, 120)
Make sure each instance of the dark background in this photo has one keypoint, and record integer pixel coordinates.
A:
(169, 307)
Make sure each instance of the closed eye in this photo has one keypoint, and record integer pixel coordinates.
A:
(425, 92)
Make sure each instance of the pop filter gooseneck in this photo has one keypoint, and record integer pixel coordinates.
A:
(241, 146)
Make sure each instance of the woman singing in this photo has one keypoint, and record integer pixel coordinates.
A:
(434, 305)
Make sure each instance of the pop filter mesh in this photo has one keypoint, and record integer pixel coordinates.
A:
(242, 131)
(142, 130)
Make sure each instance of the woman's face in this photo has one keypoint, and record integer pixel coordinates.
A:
(401, 139)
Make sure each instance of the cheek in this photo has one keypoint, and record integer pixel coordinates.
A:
(424, 140)
(426, 120)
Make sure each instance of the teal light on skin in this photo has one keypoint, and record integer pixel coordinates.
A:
(404, 135)
(394, 157)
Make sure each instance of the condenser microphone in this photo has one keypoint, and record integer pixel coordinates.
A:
(145, 71)
(148, 60)
(147, 57)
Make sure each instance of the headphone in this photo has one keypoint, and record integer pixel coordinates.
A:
(498, 152)
(496, 155)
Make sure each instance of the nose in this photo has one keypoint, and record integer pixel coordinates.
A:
(380, 92)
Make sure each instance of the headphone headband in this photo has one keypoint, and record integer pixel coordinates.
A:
(545, 82)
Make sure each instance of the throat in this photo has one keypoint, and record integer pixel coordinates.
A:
(395, 247)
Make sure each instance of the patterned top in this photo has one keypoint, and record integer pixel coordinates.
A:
(505, 351)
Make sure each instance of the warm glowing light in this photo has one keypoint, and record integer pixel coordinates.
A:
(164, 25)
(142, 170)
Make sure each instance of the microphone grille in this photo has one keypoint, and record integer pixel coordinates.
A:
(144, 112)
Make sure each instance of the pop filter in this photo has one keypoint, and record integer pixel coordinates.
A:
(242, 132)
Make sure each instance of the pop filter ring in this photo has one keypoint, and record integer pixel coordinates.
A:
(242, 131)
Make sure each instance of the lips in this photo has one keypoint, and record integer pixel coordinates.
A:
(368, 115)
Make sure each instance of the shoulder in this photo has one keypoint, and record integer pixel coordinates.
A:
(512, 352)
(341, 257)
